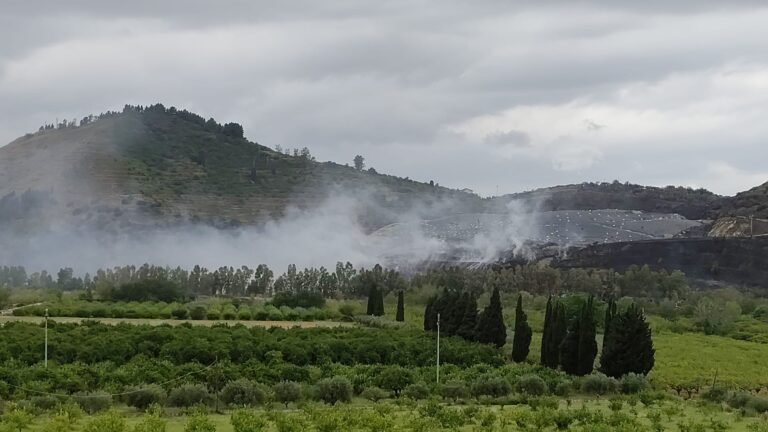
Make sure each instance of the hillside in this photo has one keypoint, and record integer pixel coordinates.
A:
(161, 165)
(690, 203)
(753, 202)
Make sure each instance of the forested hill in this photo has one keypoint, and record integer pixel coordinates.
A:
(175, 165)
(753, 202)
(691, 203)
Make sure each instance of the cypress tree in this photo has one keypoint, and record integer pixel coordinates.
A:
(379, 302)
(372, 306)
(469, 320)
(587, 341)
(610, 314)
(521, 342)
(450, 320)
(579, 348)
(628, 347)
(430, 315)
(490, 325)
(400, 314)
(559, 330)
(547, 337)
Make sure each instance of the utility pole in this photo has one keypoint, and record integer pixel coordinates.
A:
(751, 226)
(438, 348)
(46, 338)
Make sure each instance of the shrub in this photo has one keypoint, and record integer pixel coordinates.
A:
(143, 397)
(334, 390)
(45, 403)
(374, 394)
(243, 392)
(244, 314)
(199, 422)
(758, 404)
(348, 310)
(180, 313)
(563, 388)
(188, 395)
(247, 421)
(93, 402)
(715, 394)
(492, 386)
(416, 391)
(739, 399)
(287, 392)
(107, 422)
(198, 313)
(150, 423)
(394, 378)
(632, 383)
(531, 385)
(598, 384)
(213, 315)
(454, 390)
(305, 299)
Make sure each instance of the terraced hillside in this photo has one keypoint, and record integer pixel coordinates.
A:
(174, 165)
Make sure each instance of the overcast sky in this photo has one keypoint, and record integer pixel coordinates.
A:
(489, 95)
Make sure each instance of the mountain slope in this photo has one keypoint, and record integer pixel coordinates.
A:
(693, 204)
(169, 165)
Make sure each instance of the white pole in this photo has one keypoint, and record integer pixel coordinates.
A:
(46, 338)
(438, 348)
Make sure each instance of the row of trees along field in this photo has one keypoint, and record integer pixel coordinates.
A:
(568, 340)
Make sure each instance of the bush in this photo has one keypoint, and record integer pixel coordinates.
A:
(454, 390)
(198, 313)
(107, 422)
(44, 403)
(150, 423)
(632, 383)
(416, 391)
(305, 299)
(287, 392)
(180, 313)
(563, 388)
(334, 390)
(374, 394)
(243, 392)
(143, 397)
(598, 384)
(213, 315)
(531, 385)
(93, 402)
(758, 404)
(244, 314)
(247, 421)
(188, 395)
(199, 422)
(715, 394)
(492, 386)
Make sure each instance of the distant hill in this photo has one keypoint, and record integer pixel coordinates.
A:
(690, 203)
(753, 202)
(166, 165)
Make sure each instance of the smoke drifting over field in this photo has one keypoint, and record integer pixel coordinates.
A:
(320, 236)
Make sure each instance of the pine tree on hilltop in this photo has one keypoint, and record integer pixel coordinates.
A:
(628, 347)
(521, 342)
(547, 337)
(400, 315)
(490, 325)
(467, 329)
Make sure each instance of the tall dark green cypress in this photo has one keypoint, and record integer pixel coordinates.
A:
(430, 315)
(628, 347)
(559, 330)
(490, 325)
(469, 320)
(372, 306)
(587, 340)
(546, 336)
(380, 302)
(521, 341)
(579, 347)
(400, 314)
(610, 314)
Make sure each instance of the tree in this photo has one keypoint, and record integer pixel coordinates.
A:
(490, 325)
(521, 341)
(372, 306)
(610, 313)
(468, 326)
(394, 378)
(359, 162)
(547, 337)
(430, 315)
(400, 315)
(287, 392)
(579, 348)
(628, 347)
(334, 390)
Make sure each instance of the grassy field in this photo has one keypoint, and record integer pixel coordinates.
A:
(585, 415)
(140, 321)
